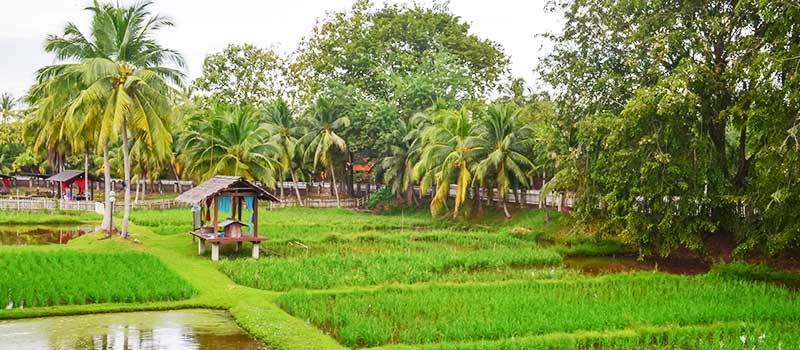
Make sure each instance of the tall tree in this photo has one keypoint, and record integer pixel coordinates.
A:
(451, 149)
(325, 123)
(244, 75)
(506, 143)
(125, 80)
(406, 56)
(8, 106)
(285, 132)
(670, 131)
(226, 140)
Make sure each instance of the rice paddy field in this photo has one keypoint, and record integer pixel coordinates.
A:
(32, 278)
(334, 279)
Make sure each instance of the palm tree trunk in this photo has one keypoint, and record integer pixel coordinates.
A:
(127, 169)
(107, 220)
(281, 183)
(177, 177)
(136, 194)
(86, 175)
(543, 202)
(335, 189)
(296, 190)
(505, 207)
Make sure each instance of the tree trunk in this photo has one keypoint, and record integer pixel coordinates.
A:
(107, 219)
(543, 200)
(352, 176)
(177, 177)
(136, 194)
(335, 189)
(127, 170)
(505, 208)
(86, 175)
(296, 190)
(281, 183)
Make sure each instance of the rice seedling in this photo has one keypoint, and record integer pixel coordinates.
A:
(464, 313)
(337, 270)
(62, 277)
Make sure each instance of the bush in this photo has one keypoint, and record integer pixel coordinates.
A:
(382, 196)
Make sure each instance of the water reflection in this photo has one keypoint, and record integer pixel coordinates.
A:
(168, 330)
(40, 235)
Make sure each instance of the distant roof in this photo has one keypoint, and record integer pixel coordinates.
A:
(362, 167)
(68, 175)
(219, 184)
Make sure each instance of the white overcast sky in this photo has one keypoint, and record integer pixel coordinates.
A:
(204, 27)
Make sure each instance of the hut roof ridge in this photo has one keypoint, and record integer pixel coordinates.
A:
(219, 183)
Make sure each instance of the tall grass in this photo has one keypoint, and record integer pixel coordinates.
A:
(476, 312)
(336, 270)
(62, 277)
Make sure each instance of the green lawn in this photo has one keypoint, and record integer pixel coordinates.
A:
(332, 278)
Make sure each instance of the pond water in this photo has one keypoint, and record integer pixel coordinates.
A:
(164, 330)
(42, 234)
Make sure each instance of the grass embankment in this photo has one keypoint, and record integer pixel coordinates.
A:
(67, 277)
(490, 312)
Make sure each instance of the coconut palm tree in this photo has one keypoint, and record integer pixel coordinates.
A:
(8, 106)
(326, 121)
(125, 78)
(285, 133)
(505, 142)
(398, 165)
(451, 148)
(226, 140)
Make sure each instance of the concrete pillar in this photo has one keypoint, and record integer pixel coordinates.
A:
(239, 246)
(214, 251)
(256, 251)
(201, 246)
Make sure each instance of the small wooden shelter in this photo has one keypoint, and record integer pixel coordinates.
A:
(229, 194)
(67, 178)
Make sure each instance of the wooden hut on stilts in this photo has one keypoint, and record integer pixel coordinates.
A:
(230, 196)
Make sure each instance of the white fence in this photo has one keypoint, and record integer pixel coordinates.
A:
(52, 204)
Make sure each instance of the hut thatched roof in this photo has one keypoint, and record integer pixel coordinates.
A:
(68, 175)
(219, 184)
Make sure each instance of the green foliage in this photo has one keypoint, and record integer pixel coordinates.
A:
(243, 75)
(389, 62)
(684, 125)
(226, 140)
(384, 195)
(471, 313)
(747, 272)
(32, 278)
(336, 270)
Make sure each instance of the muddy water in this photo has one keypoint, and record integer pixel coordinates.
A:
(42, 234)
(598, 265)
(166, 330)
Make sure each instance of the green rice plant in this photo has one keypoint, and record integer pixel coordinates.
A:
(58, 277)
(744, 271)
(338, 270)
(721, 336)
(468, 313)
